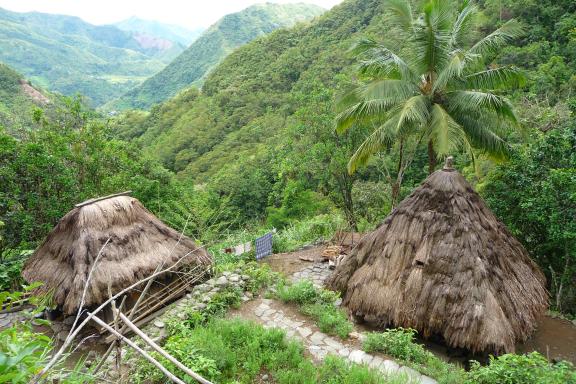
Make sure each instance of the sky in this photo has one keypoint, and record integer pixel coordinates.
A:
(187, 13)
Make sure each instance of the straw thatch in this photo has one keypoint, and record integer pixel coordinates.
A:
(443, 264)
(139, 243)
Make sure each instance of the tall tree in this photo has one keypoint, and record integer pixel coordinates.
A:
(440, 86)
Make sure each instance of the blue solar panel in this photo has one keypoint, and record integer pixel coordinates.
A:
(263, 246)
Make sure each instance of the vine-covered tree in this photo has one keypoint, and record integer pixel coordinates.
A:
(439, 87)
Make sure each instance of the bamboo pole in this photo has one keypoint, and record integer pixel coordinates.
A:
(137, 349)
(161, 351)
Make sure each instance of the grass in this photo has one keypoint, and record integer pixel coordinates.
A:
(319, 304)
(239, 351)
(399, 343)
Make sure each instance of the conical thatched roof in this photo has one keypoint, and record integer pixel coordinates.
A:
(442, 263)
(139, 243)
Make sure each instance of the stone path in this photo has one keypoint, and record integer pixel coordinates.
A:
(319, 344)
(317, 273)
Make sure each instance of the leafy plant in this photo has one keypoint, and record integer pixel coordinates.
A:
(437, 87)
(520, 369)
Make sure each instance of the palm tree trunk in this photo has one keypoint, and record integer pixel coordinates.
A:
(431, 158)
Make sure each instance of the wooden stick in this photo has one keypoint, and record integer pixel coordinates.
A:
(91, 201)
(158, 349)
(71, 337)
(137, 349)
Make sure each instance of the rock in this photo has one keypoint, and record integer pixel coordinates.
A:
(62, 335)
(226, 273)
(264, 377)
(317, 338)
(222, 281)
(411, 373)
(338, 302)
(159, 324)
(427, 380)
(69, 320)
(200, 306)
(359, 357)
(234, 278)
(390, 366)
(245, 277)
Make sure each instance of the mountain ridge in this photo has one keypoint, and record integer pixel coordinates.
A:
(227, 34)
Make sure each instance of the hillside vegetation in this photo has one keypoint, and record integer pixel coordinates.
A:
(261, 131)
(19, 99)
(215, 43)
(68, 55)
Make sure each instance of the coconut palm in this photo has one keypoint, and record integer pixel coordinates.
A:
(438, 85)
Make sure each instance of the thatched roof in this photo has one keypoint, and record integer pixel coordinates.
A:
(443, 264)
(139, 243)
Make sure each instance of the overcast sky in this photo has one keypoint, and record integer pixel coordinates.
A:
(188, 13)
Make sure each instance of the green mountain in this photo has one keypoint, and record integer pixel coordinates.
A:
(174, 33)
(247, 100)
(18, 99)
(209, 49)
(68, 55)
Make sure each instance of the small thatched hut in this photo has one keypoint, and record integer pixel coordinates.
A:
(443, 264)
(138, 242)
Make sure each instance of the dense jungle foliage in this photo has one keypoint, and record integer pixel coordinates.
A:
(261, 131)
(256, 147)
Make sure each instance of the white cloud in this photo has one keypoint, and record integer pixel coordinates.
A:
(188, 13)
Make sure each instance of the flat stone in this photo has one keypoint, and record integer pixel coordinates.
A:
(222, 280)
(389, 366)
(304, 331)
(317, 338)
(344, 352)
(360, 357)
(376, 362)
(411, 373)
(317, 352)
(69, 320)
(159, 324)
(234, 278)
(226, 273)
(333, 343)
(427, 380)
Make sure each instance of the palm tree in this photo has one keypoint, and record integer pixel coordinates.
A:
(438, 86)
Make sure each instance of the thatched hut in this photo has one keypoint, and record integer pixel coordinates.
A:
(443, 264)
(137, 244)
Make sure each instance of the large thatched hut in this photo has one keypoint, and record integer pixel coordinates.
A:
(443, 264)
(132, 241)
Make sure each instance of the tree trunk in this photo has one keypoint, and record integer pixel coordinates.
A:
(431, 158)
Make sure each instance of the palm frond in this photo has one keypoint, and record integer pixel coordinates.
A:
(467, 101)
(363, 45)
(463, 26)
(498, 39)
(368, 102)
(381, 137)
(414, 112)
(482, 135)
(453, 70)
(431, 37)
(496, 78)
(400, 14)
(446, 134)
(381, 62)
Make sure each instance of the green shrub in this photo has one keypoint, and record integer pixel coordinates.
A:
(318, 304)
(329, 319)
(307, 231)
(399, 343)
(519, 369)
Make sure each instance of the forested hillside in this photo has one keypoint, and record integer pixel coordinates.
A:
(68, 55)
(19, 99)
(261, 130)
(215, 43)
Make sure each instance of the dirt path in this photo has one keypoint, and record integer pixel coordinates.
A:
(276, 314)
